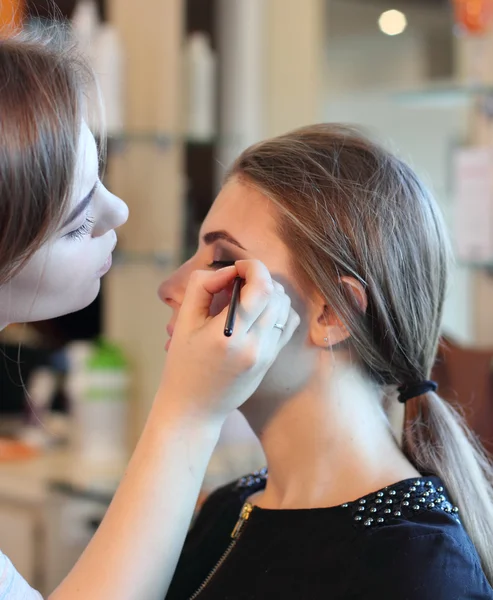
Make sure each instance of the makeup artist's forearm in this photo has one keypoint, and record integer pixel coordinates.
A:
(134, 553)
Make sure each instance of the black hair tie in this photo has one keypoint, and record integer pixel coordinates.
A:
(412, 390)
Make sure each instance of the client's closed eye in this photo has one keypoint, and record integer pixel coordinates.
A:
(220, 264)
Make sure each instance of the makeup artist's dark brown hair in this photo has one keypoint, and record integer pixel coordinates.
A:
(42, 84)
(348, 207)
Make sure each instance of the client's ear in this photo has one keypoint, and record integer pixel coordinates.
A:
(326, 328)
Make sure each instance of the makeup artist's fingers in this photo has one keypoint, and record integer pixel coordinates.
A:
(202, 287)
(275, 313)
(284, 311)
(291, 325)
(256, 293)
(210, 374)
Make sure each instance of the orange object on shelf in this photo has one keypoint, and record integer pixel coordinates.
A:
(11, 16)
(474, 16)
(14, 450)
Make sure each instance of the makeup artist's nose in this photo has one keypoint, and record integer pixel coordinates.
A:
(172, 290)
(111, 212)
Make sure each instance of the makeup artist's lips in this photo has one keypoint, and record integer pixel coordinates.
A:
(107, 263)
(106, 267)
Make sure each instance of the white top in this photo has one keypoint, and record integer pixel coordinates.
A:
(12, 585)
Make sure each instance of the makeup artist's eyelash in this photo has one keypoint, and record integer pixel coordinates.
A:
(220, 264)
(83, 230)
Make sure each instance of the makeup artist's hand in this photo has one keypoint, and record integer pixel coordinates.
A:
(207, 375)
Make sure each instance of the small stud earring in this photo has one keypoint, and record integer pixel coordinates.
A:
(326, 340)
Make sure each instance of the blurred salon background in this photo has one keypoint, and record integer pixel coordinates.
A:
(188, 84)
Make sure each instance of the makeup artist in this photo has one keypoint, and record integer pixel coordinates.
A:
(57, 232)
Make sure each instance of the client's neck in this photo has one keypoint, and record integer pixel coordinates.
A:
(325, 447)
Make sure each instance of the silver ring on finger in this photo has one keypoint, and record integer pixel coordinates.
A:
(279, 326)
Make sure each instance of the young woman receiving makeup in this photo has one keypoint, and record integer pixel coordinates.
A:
(374, 487)
(57, 233)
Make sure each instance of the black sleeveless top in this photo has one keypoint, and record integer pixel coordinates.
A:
(404, 542)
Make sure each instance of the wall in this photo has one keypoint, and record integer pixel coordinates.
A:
(148, 174)
(361, 60)
(293, 64)
(373, 62)
(271, 69)
(403, 129)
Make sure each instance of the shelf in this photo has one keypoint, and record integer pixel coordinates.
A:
(444, 94)
(197, 142)
(83, 493)
(160, 260)
(118, 141)
(480, 265)
(161, 140)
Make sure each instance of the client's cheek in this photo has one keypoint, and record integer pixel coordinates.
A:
(219, 302)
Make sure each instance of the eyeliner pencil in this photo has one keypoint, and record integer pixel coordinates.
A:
(233, 306)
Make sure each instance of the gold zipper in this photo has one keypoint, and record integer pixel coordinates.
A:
(235, 535)
(245, 513)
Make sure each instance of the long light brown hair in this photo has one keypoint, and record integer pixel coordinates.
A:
(41, 111)
(348, 207)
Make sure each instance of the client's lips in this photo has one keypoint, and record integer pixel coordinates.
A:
(169, 330)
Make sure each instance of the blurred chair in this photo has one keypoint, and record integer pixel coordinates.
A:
(465, 378)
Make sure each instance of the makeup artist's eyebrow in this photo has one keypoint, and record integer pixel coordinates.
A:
(214, 236)
(81, 207)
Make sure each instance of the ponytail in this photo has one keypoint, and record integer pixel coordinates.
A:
(437, 441)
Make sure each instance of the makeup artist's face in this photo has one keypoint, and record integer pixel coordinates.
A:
(64, 274)
(242, 224)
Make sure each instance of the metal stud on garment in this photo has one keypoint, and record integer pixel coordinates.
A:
(402, 501)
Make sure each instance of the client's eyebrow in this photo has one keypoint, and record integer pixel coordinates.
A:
(214, 236)
(81, 207)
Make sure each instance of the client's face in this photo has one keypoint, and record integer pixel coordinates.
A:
(241, 225)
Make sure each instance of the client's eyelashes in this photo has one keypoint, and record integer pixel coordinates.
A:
(220, 264)
(83, 230)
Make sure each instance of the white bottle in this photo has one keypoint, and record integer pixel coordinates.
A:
(76, 385)
(41, 387)
(200, 88)
(85, 22)
(78, 354)
(108, 66)
(98, 390)
(85, 25)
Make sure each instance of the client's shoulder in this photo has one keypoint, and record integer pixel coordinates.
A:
(428, 557)
(224, 503)
(236, 492)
